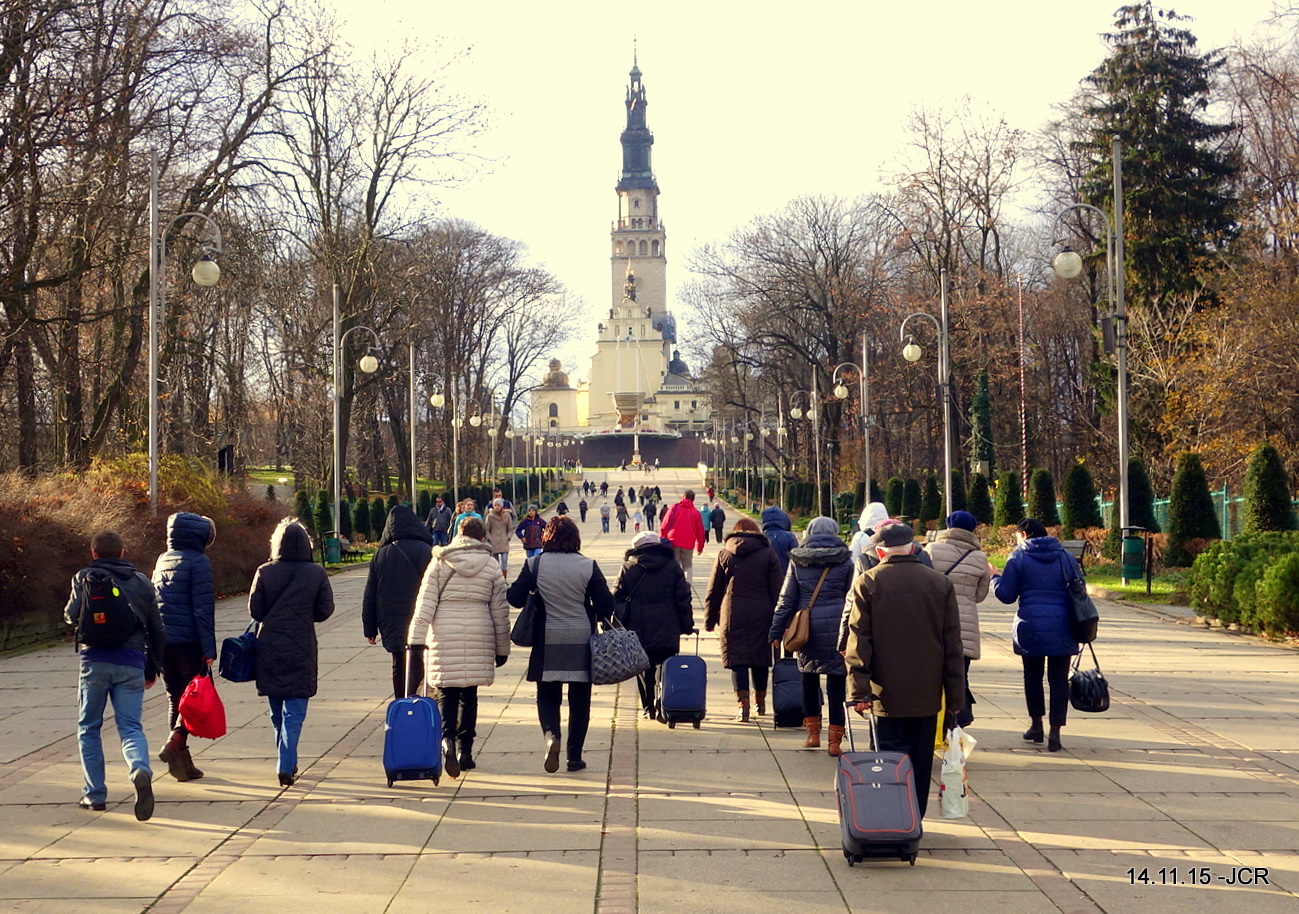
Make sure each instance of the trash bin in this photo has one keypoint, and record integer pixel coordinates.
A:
(1134, 557)
(333, 552)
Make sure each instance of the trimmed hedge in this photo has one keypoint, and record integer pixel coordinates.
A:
(1252, 581)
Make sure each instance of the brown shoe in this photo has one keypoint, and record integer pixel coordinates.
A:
(813, 727)
(760, 701)
(835, 741)
(742, 707)
(192, 773)
(174, 754)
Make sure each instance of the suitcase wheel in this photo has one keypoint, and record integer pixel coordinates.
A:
(672, 724)
(696, 723)
(389, 782)
(914, 855)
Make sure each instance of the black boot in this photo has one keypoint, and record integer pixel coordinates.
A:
(450, 764)
(467, 762)
(1053, 740)
(1034, 733)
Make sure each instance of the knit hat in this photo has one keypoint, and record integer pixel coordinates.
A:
(963, 520)
(823, 526)
(645, 539)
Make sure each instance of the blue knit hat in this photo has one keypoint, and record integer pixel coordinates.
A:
(963, 520)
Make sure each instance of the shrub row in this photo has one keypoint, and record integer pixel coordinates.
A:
(1252, 581)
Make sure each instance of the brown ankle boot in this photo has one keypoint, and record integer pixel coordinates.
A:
(813, 727)
(742, 710)
(835, 741)
(760, 701)
(174, 754)
(193, 773)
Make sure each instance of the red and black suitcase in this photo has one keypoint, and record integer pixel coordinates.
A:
(876, 793)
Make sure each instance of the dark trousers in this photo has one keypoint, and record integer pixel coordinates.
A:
(459, 709)
(181, 662)
(836, 689)
(740, 678)
(399, 674)
(915, 737)
(718, 531)
(965, 716)
(645, 681)
(1057, 677)
(549, 697)
(622, 525)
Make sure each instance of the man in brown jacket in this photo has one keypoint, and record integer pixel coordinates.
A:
(904, 651)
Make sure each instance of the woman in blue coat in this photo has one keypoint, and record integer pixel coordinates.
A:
(1037, 575)
(822, 559)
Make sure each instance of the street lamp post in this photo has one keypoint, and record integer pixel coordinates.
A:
(1068, 264)
(205, 273)
(841, 392)
(514, 471)
(912, 352)
(437, 401)
(368, 364)
(814, 416)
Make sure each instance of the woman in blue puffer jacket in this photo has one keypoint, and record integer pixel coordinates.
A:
(1037, 574)
(822, 552)
(182, 577)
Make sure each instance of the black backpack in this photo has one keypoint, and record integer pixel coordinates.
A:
(107, 619)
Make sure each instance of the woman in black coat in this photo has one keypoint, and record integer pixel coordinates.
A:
(290, 594)
(652, 599)
(390, 590)
(822, 553)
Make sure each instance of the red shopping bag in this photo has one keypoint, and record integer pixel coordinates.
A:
(201, 708)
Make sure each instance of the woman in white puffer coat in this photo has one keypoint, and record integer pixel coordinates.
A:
(462, 618)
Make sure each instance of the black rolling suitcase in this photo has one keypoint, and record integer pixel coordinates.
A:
(786, 691)
(878, 814)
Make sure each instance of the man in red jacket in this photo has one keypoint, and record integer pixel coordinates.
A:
(684, 529)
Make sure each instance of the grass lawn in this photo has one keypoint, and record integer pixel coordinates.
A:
(1165, 586)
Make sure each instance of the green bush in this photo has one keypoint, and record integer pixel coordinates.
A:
(931, 502)
(324, 517)
(1278, 593)
(1267, 504)
(960, 501)
(1141, 497)
(1192, 517)
(1009, 508)
(302, 508)
(345, 519)
(911, 498)
(1041, 498)
(981, 500)
(270, 493)
(893, 496)
(1080, 508)
(361, 518)
(1228, 581)
(425, 502)
(877, 494)
(378, 518)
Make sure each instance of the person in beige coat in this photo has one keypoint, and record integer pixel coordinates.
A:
(958, 554)
(500, 524)
(464, 622)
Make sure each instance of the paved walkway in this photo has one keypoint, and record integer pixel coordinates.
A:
(1193, 775)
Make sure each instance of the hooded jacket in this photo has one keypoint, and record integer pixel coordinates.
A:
(658, 602)
(290, 594)
(741, 598)
(149, 639)
(529, 531)
(461, 615)
(1035, 574)
(818, 552)
(395, 575)
(182, 578)
(871, 515)
(499, 527)
(683, 527)
(958, 554)
(777, 528)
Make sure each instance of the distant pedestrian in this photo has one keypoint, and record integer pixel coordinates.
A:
(463, 621)
(820, 568)
(439, 522)
(777, 527)
(958, 554)
(561, 508)
(182, 578)
(1037, 574)
(904, 651)
(467, 508)
(712, 493)
(706, 517)
(637, 518)
(605, 513)
(741, 600)
(631, 494)
(717, 520)
(499, 524)
(622, 518)
(604, 489)
(582, 508)
(651, 512)
(620, 498)
(682, 526)
(871, 516)
(576, 596)
(657, 606)
(390, 589)
(117, 665)
(509, 505)
(290, 596)
(529, 532)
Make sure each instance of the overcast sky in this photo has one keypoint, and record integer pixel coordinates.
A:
(751, 104)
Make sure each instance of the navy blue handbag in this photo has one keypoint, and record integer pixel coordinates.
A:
(238, 656)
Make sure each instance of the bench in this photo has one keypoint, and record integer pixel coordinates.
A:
(1076, 548)
(351, 555)
(931, 536)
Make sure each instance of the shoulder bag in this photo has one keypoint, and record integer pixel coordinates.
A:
(1083, 617)
(525, 626)
(622, 608)
(799, 630)
(958, 561)
(1088, 689)
(616, 654)
(238, 661)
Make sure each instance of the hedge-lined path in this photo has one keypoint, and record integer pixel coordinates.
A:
(1194, 771)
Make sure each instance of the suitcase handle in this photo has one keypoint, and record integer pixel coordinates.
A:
(848, 712)
(423, 680)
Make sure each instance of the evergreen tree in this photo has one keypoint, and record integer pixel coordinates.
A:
(1268, 504)
(981, 500)
(960, 499)
(378, 518)
(1009, 508)
(981, 449)
(324, 514)
(1080, 508)
(877, 494)
(393, 501)
(270, 493)
(1191, 513)
(1178, 173)
(425, 502)
(893, 500)
(1141, 497)
(911, 498)
(302, 508)
(1041, 498)
(361, 518)
(931, 502)
(345, 519)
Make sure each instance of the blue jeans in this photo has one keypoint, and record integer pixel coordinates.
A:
(124, 687)
(287, 715)
(604, 524)
(531, 552)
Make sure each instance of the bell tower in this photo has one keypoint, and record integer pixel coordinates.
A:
(638, 242)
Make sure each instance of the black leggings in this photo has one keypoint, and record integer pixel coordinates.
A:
(645, 682)
(549, 697)
(740, 678)
(1057, 677)
(181, 662)
(836, 689)
(459, 708)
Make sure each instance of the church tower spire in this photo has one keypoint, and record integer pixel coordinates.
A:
(637, 139)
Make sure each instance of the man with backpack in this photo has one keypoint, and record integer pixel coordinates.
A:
(121, 640)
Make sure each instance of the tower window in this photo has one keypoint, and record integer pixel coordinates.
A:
(617, 248)
(656, 249)
(676, 404)
(554, 423)
(554, 410)
(643, 248)
(694, 404)
(635, 204)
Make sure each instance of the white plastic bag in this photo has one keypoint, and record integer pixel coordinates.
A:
(953, 780)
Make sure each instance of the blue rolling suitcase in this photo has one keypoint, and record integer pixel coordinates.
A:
(683, 688)
(787, 692)
(876, 794)
(412, 738)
